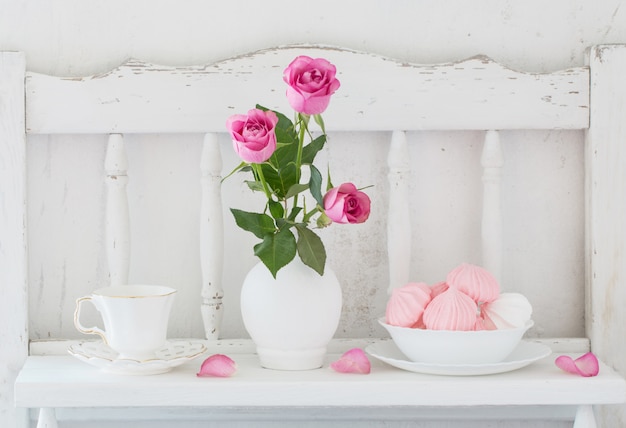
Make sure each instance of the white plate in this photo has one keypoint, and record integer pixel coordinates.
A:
(524, 354)
(173, 354)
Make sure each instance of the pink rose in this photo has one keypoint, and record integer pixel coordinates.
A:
(346, 204)
(311, 83)
(253, 134)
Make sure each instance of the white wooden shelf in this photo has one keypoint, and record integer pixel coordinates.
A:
(59, 381)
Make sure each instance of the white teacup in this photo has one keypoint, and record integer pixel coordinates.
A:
(135, 318)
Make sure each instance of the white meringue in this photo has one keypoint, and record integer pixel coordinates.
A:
(510, 310)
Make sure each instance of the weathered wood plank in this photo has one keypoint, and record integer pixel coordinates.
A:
(76, 384)
(474, 94)
(606, 209)
(13, 243)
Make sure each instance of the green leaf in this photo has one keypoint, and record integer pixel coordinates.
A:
(310, 150)
(283, 223)
(311, 249)
(243, 166)
(315, 184)
(304, 119)
(259, 224)
(320, 121)
(284, 154)
(294, 213)
(295, 189)
(255, 186)
(280, 169)
(276, 209)
(280, 180)
(329, 181)
(284, 131)
(276, 250)
(286, 126)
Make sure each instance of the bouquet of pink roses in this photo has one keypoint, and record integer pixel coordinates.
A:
(273, 150)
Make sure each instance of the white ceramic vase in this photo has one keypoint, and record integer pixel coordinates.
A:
(291, 318)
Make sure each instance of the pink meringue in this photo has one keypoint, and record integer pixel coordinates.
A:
(438, 288)
(451, 310)
(352, 361)
(482, 325)
(475, 281)
(406, 304)
(509, 310)
(217, 365)
(419, 323)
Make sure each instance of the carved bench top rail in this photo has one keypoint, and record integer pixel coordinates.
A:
(474, 94)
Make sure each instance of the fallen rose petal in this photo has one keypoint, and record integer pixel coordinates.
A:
(586, 365)
(217, 365)
(353, 361)
(567, 364)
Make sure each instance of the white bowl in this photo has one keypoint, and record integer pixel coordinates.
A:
(456, 347)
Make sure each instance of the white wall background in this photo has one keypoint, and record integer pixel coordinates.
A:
(543, 202)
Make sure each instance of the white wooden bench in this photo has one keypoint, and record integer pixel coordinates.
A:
(379, 95)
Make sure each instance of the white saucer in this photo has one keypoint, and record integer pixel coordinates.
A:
(173, 354)
(524, 354)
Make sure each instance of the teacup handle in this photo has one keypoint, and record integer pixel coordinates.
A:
(80, 327)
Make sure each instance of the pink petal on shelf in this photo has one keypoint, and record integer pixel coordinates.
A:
(353, 361)
(217, 365)
(586, 365)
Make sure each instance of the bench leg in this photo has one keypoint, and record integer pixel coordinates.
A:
(585, 417)
(47, 418)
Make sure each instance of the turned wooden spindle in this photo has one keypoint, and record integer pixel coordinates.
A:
(398, 224)
(117, 218)
(492, 162)
(211, 237)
